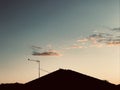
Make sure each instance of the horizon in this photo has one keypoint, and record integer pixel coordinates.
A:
(60, 69)
(80, 35)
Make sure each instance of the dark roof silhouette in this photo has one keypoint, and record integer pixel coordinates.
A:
(11, 86)
(67, 80)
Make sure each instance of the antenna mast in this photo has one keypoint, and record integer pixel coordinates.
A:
(38, 66)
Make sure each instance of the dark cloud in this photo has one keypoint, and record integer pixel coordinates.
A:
(113, 42)
(39, 51)
(47, 53)
(116, 29)
(100, 37)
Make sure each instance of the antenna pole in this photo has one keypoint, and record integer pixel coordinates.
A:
(39, 69)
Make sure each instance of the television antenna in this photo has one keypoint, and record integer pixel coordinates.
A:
(38, 65)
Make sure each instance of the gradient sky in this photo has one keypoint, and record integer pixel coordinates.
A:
(58, 25)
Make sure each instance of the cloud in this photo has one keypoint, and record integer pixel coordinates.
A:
(76, 46)
(82, 40)
(36, 47)
(105, 38)
(114, 42)
(46, 53)
(116, 29)
(50, 52)
(99, 39)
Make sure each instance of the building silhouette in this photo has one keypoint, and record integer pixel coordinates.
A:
(64, 80)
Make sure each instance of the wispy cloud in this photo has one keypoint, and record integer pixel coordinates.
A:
(76, 46)
(36, 47)
(82, 40)
(99, 39)
(105, 38)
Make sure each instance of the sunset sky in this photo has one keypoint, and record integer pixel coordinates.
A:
(82, 35)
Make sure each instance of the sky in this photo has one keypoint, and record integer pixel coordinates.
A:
(81, 35)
